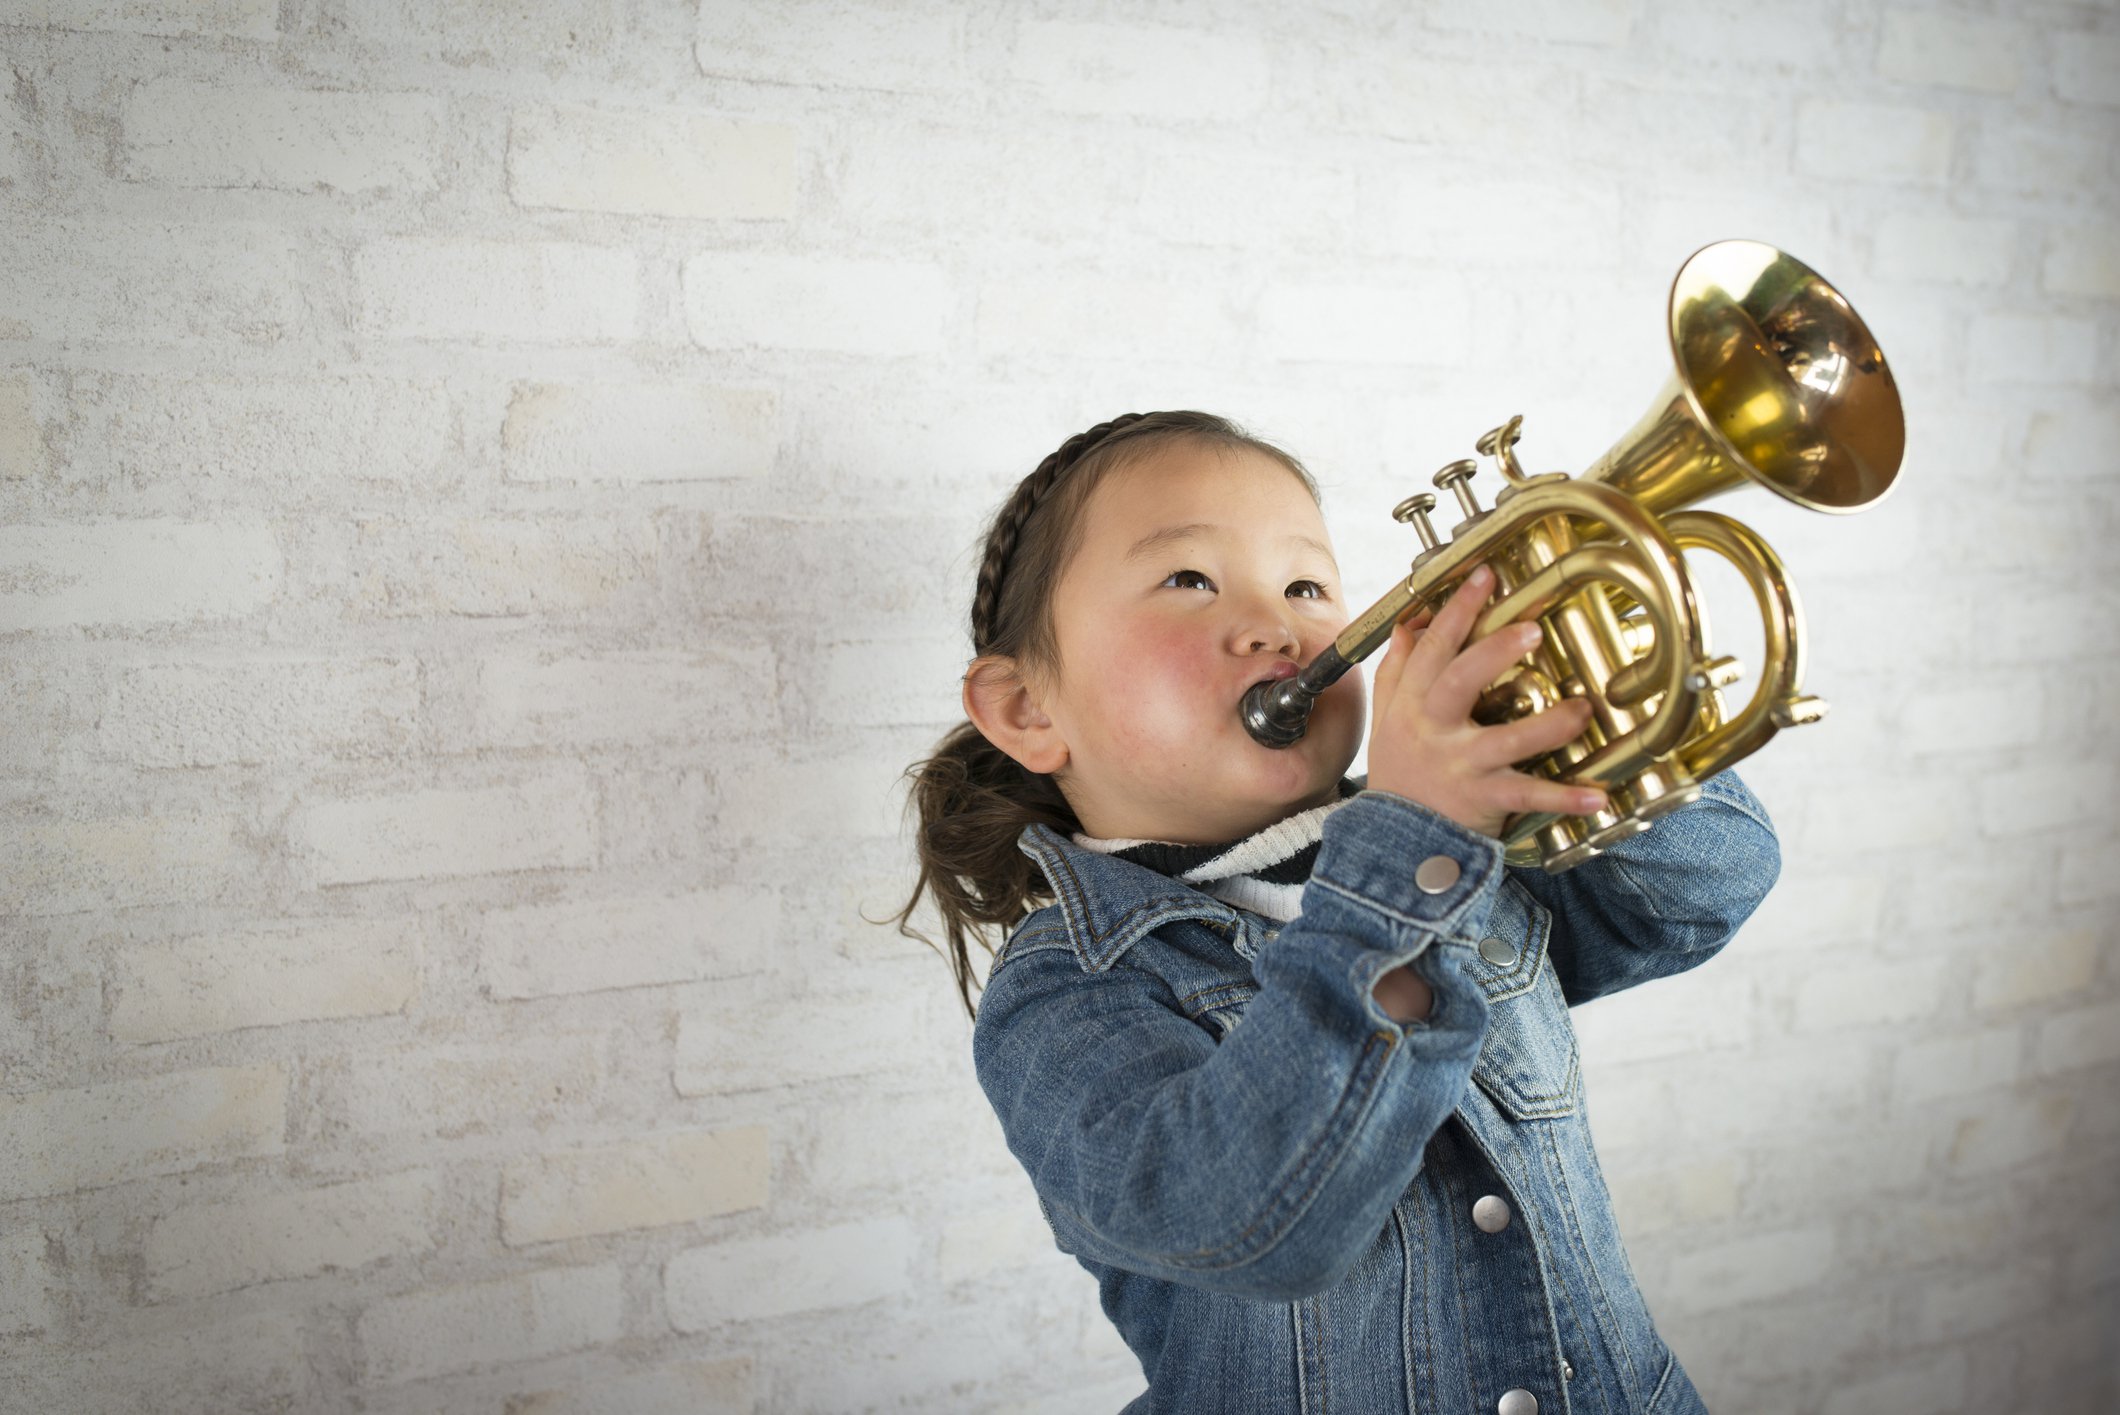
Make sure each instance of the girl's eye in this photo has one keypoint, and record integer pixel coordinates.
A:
(1314, 585)
(1195, 574)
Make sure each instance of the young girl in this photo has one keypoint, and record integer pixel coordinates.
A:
(1285, 1054)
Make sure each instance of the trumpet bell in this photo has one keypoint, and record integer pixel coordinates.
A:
(1777, 381)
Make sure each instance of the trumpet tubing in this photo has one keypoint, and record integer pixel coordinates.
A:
(1776, 382)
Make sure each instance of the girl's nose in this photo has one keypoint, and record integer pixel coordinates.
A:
(1266, 628)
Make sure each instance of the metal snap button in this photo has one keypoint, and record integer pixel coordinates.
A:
(1498, 951)
(1491, 1213)
(1436, 874)
(1517, 1402)
(1567, 1371)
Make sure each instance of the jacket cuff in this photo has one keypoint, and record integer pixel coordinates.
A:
(1373, 850)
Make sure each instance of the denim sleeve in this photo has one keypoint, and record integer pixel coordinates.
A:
(1663, 901)
(1263, 1164)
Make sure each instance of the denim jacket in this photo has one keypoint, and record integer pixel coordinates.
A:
(1293, 1203)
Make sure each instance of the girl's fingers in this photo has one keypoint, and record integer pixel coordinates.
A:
(1507, 743)
(1404, 635)
(1516, 793)
(1446, 635)
(1457, 687)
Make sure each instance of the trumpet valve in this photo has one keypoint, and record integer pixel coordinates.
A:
(1798, 711)
(1718, 672)
(1500, 444)
(1454, 477)
(1413, 511)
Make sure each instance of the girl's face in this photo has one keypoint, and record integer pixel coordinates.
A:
(1200, 571)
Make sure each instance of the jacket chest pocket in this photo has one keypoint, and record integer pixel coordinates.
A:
(1528, 1063)
(1220, 1007)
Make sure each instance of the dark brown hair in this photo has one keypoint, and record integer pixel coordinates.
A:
(974, 800)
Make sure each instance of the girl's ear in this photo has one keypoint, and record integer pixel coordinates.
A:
(1002, 706)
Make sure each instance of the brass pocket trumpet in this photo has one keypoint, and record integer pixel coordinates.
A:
(1776, 382)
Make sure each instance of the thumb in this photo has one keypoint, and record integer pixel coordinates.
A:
(1393, 665)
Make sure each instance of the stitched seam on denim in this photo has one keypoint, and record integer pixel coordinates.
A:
(1179, 908)
(1239, 988)
(1619, 868)
(1736, 805)
(1295, 1332)
(1406, 1270)
(1203, 1259)
(1670, 1365)
(1551, 1278)
(1441, 924)
(1597, 1282)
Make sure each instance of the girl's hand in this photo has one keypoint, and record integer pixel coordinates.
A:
(1423, 743)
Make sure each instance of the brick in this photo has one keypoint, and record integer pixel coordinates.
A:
(1680, 1196)
(1072, 316)
(1755, 1267)
(2040, 349)
(736, 300)
(230, 135)
(1415, 321)
(1703, 1014)
(542, 822)
(31, 1289)
(1144, 70)
(547, 566)
(1869, 994)
(1972, 886)
(1949, 249)
(212, 435)
(1817, 910)
(795, 804)
(2040, 965)
(1652, 125)
(240, 19)
(561, 700)
(995, 1241)
(107, 862)
(545, 40)
(640, 432)
(257, 1361)
(21, 431)
(456, 1089)
(1952, 1065)
(2082, 260)
(250, 712)
(1979, 1299)
(878, 682)
(852, 1149)
(843, 1265)
(545, 292)
(1972, 719)
(928, 185)
(662, 1180)
(162, 283)
(669, 162)
(1872, 142)
(521, 1318)
(2073, 444)
(1922, 48)
(2011, 1130)
(135, 572)
(87, 1137)
(1934, 1380)
(2079, 1038)
(1601, 22)
(1899, 814)
(208, 1248)
(2041, 156)
(2087, 875)
(2046, 797)
(753, 1046)
(823, 44)
(671, 1388)
(1441, 221)
(1722, 33)
(588, 945)
(2086, 67)
(262, 976)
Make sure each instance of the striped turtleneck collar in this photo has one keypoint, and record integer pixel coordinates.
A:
(1263, 872)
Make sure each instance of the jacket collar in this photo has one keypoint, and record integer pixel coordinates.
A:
(1108, 904)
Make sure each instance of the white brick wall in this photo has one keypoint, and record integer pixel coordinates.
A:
(488, 498)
